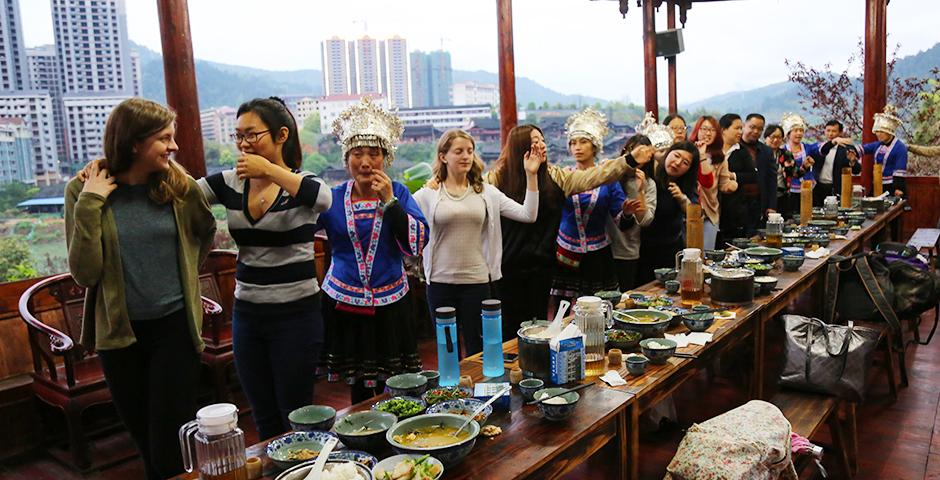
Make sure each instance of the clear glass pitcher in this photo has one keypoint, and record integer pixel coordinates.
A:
(691, 276)
(593, 315)
(218, 442)
(774, 232)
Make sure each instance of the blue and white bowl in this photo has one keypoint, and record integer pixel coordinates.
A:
(463, 407)
(449, 455)
(279, 448)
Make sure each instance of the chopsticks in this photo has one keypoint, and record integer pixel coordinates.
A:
(563, 392)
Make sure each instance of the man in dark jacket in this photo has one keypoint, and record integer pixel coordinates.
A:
(828, 164)
(759, 184)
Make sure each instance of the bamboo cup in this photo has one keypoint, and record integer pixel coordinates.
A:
(877, 170)
(806, 202)
(694, 228)
(846, 187)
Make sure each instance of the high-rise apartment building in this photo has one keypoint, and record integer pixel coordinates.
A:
(16, 151)
(136, 76)
(367, 65)
(91, 41)
(431, 79)
(45, 75)
(333, 64)
(351, 62)
(85, 117)
(13, 71)
(473, 93)
(217, 124)
(396, 66)
(35, 108)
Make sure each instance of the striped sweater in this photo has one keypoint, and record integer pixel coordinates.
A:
(276, 265)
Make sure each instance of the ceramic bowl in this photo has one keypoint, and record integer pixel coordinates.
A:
(463, 407)
(464, 393)
(529, 386)
(300, 471)
(841, 231)
(625, 340)
(715, 255)
(759, 268)
(560, 411)
(449, 455)
(389, 464)
(792, 263)
(658, 350)
(793, 251)
(766, 282)
(672, 286)
(698, 322)
(663, 274)
(365, 430)
(647, 329)
(636, 364)
(312, 417)
(764, 254)
(433, 376)
(870, 213)
(280, 448)
(378, 406)
(407, 385)
(740, 242)
(357, 456)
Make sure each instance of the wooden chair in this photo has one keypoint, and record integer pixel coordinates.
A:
(217, 280)
(66, 375)
(807, 412)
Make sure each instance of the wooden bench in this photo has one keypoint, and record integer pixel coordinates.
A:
(807, 412)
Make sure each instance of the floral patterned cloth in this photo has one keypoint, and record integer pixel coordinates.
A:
(751, 442)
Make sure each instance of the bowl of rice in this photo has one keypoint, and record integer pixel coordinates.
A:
(334, 470)
(658, 350)
(558, 408)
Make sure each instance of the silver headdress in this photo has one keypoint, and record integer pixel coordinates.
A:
(590, 124)
(887, 122)
(660, 136)
(791, 121)
(366, 124)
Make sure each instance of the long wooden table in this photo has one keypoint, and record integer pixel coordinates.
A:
(531, 447)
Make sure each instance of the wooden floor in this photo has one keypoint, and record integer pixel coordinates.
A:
(897, 441)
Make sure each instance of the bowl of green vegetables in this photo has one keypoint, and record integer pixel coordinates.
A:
(401, 407)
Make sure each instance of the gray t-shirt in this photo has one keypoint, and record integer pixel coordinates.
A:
(149, 253)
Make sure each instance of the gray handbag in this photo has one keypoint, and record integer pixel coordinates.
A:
(826, 358)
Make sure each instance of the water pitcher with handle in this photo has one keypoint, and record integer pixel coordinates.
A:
(218, 443)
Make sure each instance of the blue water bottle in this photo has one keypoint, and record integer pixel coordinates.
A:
(492, 338)
(446, 319)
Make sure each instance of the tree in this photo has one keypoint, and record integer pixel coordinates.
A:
(312, 123)
(597, 105)
(13, 193)
(316, 163)
(839, 95)
(545, 106)
(531, 118)
(16, 263)
(530, 106)
(227, 158)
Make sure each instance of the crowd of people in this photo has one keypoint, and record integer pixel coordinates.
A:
(527, 231)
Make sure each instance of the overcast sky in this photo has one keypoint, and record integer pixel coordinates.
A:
(572, 46)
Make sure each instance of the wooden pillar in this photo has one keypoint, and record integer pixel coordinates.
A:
(671, 23)
(875, 76)
(649, 56)
(507, 70)
(179, 72)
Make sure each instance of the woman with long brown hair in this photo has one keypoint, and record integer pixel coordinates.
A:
(464, 255)
(529, 248)
(137, 228)
(713, 177)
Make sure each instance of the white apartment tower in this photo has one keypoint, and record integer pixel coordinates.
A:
(91, 40)
(45, 75)
(333, 63)
(136, 76)
(85, 117)
(397, 87)
(13, 70)
(367, 66)
(35, 108)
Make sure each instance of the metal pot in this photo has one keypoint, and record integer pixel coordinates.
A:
(732, 286)
(534, 357)
(873, 202)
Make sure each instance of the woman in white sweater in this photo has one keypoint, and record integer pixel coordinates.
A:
(464, 252)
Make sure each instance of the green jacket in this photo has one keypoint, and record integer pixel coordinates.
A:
(95, 263)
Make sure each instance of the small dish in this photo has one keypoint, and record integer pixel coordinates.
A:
(529, 386)
(636, 364)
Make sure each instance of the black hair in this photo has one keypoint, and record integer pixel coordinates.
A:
(633, 142)
(689, 180)
(754, 115)
(771, 128)
(673, 116)
(727, 119)
(275, 115)
(835, 123)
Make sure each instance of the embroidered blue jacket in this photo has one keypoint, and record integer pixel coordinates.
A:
(893, 156)
(371, 275)
(809, 150)
(607, 200)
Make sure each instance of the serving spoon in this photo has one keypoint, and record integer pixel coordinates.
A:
(481, 408)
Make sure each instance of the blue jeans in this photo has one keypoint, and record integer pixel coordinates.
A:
(275, 356)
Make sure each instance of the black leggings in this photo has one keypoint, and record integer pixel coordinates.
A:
(153, 383)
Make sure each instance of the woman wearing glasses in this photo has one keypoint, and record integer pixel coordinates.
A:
(272, 208)
(714, 175)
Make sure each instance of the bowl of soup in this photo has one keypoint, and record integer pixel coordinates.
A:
(647, 322)
(433, 434)
(365, 430)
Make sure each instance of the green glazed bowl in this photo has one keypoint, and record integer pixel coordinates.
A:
(312, 417)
